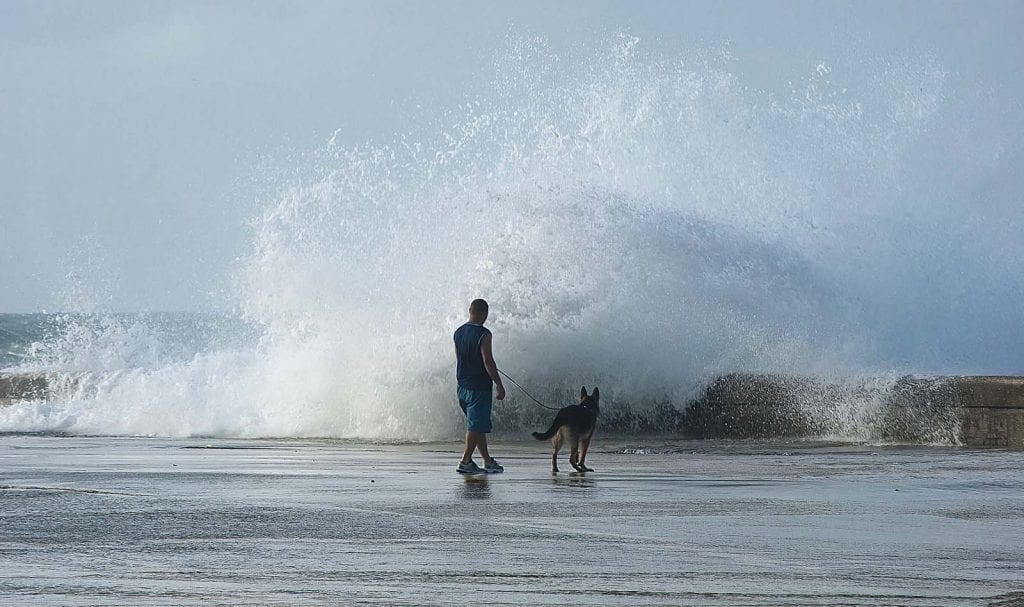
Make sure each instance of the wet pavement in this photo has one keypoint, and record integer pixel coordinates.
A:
(119, 521)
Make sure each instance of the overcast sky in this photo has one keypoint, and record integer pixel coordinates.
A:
(135, 136)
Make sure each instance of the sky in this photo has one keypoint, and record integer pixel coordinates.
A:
(138, 139)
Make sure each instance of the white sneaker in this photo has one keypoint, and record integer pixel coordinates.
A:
(469, 468)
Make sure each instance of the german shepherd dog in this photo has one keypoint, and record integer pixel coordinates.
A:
(574, 424)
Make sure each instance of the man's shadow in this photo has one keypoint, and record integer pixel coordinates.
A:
(476, 487)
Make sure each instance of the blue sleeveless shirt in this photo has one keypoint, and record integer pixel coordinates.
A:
(470, 370)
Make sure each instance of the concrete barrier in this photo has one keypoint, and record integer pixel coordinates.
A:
(993, 411)
(975, 411)
(908, 409)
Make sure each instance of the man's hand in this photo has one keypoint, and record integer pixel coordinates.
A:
(500, 392)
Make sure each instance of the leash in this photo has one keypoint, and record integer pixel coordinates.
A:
(518, 385)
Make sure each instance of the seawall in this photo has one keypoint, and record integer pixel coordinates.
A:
(993, 411)
(975, 411)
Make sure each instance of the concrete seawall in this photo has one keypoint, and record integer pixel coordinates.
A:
(993, 411)
(975, 411)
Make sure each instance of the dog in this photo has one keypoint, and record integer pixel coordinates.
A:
(574, 424)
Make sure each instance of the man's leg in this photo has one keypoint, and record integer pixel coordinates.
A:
(482, 446)
(478, 416)
(482, 411)
(471, 443)
(467, 453)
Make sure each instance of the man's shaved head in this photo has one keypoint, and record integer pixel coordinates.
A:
(478, 309)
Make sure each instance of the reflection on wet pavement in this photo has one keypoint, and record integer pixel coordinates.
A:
(87, 521)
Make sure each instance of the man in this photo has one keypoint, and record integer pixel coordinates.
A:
(476, 371)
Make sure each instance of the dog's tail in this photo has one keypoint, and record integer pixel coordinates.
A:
(555, 425)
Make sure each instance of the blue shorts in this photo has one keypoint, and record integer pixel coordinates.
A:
(476, 404)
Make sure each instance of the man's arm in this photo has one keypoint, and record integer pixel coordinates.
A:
(491, 366)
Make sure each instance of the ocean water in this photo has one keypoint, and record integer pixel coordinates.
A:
(640, 221)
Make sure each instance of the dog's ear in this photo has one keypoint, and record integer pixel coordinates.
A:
(583, 392)
(596, 394)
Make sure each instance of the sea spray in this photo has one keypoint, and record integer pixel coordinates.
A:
(637, 222)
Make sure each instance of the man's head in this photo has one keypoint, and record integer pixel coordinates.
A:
(478, 311)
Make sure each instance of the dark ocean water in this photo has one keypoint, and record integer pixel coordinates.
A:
(17, 332)
(41, 338)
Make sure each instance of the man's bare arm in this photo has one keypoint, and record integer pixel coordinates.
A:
(491, 366)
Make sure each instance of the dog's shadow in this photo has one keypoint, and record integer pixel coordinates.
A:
(573, 479)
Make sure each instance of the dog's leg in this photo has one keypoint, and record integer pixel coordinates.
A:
(556, 444)
(583, 456)
(574, 453)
